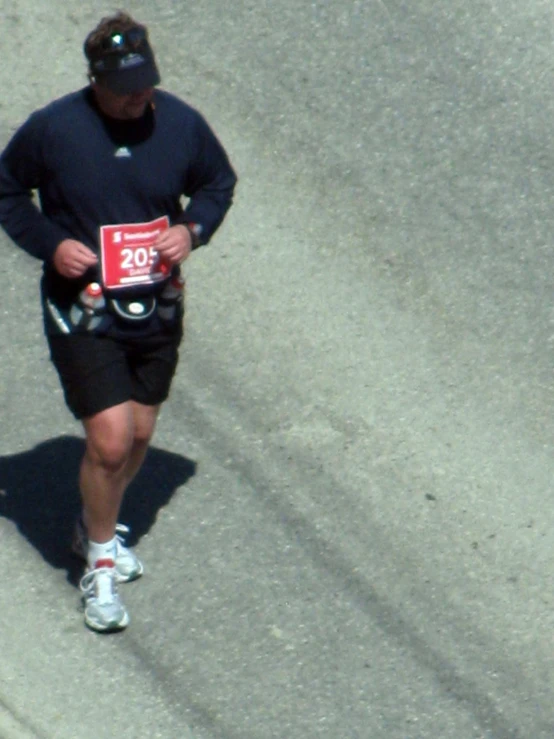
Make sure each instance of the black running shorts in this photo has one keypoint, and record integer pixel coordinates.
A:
(98, 372)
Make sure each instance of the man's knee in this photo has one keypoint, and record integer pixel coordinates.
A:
(144, 423)
(110, 454)
(142, 436)
(109, 438)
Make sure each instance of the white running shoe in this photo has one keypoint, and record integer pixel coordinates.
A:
(104, 610)
(128, 566)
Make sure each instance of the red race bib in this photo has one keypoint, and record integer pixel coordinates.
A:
(128, 256)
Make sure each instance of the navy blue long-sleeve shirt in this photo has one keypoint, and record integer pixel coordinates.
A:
(91, 171)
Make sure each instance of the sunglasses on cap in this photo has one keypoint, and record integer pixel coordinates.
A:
(131, 45)
(124, 42)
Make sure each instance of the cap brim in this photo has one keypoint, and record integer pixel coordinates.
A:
(134, 79)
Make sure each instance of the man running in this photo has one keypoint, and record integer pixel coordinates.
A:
(131, 180)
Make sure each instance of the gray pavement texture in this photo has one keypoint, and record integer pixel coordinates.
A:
(346, 516)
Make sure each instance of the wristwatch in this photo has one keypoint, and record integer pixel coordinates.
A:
(195, 231)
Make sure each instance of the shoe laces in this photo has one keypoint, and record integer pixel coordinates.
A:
(99, 583)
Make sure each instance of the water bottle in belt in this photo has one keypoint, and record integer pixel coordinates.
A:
(88, 311)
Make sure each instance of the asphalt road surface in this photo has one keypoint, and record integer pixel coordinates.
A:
(346, 517)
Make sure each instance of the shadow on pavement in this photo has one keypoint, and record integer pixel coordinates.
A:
(39, 493)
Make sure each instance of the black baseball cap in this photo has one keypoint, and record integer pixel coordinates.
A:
(126, 63)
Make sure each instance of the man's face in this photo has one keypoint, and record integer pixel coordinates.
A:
(123, 107)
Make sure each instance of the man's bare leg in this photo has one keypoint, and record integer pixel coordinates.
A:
(116, 443)
(144, 423)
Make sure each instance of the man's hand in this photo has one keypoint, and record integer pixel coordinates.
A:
(72, 258)
(174, 244)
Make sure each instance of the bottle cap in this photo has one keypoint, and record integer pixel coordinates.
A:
(94, 289)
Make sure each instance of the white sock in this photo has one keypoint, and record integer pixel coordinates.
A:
(101, 551)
